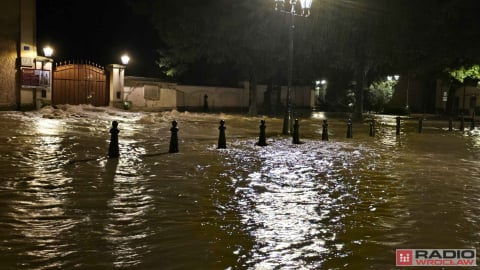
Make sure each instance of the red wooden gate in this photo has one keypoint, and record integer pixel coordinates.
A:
(80, 84)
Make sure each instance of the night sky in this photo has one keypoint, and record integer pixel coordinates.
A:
(99, 31)
(424, 36)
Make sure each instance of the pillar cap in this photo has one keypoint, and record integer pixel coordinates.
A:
(116, 66)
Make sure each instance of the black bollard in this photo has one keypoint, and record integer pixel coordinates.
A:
(372, 128)
(472, 124)
(262, 139)
(222, 140)
(113, 149)
(450, 124)
(325, 130)
(398, 125)
(205, 103)
(349, 128)
(296, 136)
(462, 122)
(420, 125)
(174, 138)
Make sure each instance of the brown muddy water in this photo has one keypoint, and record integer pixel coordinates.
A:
(341, 204)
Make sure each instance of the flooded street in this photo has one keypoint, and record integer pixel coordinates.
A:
(341, 204)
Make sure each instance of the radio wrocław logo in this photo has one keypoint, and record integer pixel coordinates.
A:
(436, 257)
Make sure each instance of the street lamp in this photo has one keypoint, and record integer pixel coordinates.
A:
(396, 78)
(320, 92)
(393, 78)
(45, 76)
(291, 9)
(125, 59)
(48, 51)
(121, 72)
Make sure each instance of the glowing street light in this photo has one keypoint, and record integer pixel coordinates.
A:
(393, 78)
(125, 59)
(306, 5)
(281, 7)
(48, 51)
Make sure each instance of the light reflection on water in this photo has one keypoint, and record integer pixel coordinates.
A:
(342, 204)
(296, 204)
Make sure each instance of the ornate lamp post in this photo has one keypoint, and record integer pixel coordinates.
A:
(291, 9)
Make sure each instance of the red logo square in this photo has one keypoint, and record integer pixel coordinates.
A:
(404, 257)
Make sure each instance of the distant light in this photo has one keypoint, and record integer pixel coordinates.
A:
(389, 78)
(397, 77)
(319, 115)
(306, 5)
(125, 59)
(320, 82)
(47, 51)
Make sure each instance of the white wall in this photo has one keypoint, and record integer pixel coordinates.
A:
(171, 95)
(190, 97)
(218, 97)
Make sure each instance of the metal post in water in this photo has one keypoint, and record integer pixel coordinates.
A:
(372, 128)
(420, 124)
(222, 140)
(349, 128)
(296, 136)
(262, 139)
(288, 113)
(398, 125)
(462, 122)
(472, 124)
(450, 124)
(325, 130)
(113, 150)
(174, 138)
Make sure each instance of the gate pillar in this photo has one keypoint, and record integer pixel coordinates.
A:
(116, 75)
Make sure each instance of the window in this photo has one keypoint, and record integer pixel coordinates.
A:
(151, 92)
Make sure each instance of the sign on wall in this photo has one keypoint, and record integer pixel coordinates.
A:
(35, 78)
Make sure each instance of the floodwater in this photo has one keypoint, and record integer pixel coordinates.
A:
(341, 204)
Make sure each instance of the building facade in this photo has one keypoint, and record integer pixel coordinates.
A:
(457, 100)
(25, 78)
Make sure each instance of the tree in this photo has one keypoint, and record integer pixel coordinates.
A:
(380, 93)
(362, 40)
(462, 73)
(354, 39)
(238, 36)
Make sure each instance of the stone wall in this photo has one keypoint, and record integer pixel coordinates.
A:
(9, 34)
(151, 94)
